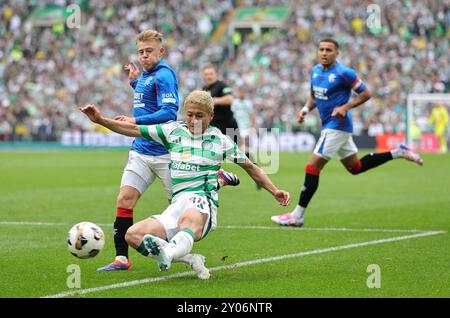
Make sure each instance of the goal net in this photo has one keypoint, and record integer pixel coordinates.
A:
(427, 122)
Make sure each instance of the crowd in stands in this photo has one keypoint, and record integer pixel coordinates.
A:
(46, 72)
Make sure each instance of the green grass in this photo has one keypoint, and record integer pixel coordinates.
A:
(67, 187)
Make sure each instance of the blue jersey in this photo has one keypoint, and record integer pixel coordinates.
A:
(332, 88)
(155, 102)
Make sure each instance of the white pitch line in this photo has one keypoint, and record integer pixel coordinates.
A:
(343, 229)
(30, 223)
(242, 264)
(247, 227)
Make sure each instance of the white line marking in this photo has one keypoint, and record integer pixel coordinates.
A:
(249, 227)
(30, 223)
(242, 264)
(239, 227)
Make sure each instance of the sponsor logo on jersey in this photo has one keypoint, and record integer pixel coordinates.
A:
(331, 78)
(320, 92)
(177, 165)
(169, 98)
(227, 90)
(175, 140)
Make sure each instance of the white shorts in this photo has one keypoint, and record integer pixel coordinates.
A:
(169, 218)
(141, 170)
(335, 142)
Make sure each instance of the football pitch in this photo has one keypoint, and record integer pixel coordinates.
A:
(383, 233)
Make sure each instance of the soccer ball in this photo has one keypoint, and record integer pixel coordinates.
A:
(85, 240)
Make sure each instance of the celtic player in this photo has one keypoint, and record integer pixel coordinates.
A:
(196, 151)
(155, 102)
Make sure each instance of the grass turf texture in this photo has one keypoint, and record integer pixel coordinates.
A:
(67, 187)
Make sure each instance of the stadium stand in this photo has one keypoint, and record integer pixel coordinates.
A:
(46, 71)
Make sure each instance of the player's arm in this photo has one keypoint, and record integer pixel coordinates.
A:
(121, 127)
(164, 114)
(133, 73)
(258, 175)
(232, 153)
(357, 86)
(309, 106)
(227, 98)
(167, 99)
(445, 113)
(359, 99)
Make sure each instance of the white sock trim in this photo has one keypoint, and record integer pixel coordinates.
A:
(298, 212)
(122, 259)
(180, 245)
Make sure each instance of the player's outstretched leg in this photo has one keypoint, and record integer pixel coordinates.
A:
(357, 166)
(156, 247)
(295, 218)
(124, 220)
(197, 263)
(179, 246)
(117, 265)
(403, 151)
(226, 178)
(287, 219)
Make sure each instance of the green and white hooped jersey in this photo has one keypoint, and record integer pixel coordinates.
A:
(195, 159)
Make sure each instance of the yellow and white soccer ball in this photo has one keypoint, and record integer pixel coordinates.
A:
(85, 240)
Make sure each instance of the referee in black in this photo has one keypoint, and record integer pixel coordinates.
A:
(223, 98)
(223, 115)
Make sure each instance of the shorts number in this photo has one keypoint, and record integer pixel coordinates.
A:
(198, 202)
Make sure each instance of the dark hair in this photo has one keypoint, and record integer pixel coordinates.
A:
(210, 65)
(330, 40)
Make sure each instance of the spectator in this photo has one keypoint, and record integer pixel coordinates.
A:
(45, 73)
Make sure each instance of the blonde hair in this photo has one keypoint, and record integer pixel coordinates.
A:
(148, 35)
(200, 98)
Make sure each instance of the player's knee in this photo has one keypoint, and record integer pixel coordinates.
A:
(126, 200)
(133, 238)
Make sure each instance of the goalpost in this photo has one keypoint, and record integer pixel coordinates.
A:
(421, 100)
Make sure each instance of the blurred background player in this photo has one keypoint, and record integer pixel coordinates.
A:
(242, 109)
(223, 99)
(439, 118)
(331, 87)
(193, 212)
